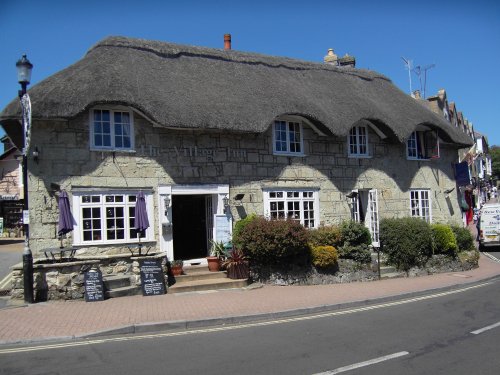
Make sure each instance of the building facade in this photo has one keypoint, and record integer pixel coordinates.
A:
(211, 136)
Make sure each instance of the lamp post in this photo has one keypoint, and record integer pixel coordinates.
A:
(24, 68)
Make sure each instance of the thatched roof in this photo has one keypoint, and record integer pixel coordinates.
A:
(192, 87)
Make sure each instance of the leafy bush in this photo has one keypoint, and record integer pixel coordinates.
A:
(239, 225)
(271, 242)
(325, 236)
(356, 241)
(444, 240)
(323, 256)
(465, 241)
(406, 241)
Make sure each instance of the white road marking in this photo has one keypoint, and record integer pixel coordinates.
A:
(364, 364)
(478, 331)
(236, 325)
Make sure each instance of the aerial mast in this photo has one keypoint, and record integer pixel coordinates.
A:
(408, 66)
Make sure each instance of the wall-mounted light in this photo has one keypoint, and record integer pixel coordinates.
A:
(167, 204)
(225, 202)
(352, 194)
(36, 154)
(448, 191)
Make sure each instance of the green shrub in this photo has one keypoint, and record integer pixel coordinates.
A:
(272, 242)
(444, 240)
(406, 241)
(465, 241)
(354, 234)
(323, 256)
(325, 236)
(239, 225)
(355, 242)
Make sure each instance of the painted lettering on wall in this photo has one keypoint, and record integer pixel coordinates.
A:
(192, 152)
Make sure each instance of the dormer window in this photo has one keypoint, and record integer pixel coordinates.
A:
(358, 141)
(111, 130)
(288, 138)
(422, 145)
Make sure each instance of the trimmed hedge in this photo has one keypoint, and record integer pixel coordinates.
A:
(444, 240)
(323, 256)
(406, 241)
(325, 236)
(465, 241)
(238, 227)
(274, 242)
(356, 241)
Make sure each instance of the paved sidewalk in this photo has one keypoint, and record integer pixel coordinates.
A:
(66, 320)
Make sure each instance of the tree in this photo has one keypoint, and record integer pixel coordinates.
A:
(495, 161)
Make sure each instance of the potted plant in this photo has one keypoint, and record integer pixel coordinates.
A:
(217, 255)
(176, 267)
(236, 265)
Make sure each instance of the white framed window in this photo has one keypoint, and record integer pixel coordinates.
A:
(358, 141)
(108, 217)
(288, 138)
(297, 204)
(111, 129)
(420, 204)
(422, 145)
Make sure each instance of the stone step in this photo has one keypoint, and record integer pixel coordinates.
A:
(387, 269)
(123, 292)
(391, 275)
(204, 285)
(115, 281)
(198, 276)
(189, 270)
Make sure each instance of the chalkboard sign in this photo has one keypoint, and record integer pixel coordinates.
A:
(94, 290)
(152, 279)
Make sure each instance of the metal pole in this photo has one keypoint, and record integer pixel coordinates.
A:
(27, 255)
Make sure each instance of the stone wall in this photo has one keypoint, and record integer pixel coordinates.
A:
(65, 280)
(245, 161)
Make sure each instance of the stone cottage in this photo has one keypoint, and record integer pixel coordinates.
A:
(212, 135)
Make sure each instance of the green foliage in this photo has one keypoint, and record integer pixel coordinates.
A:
(325, 236)
(354, 234)
(465, 241)
(239, 225)
(444, 240)
(356, 241)
(495, 161)
(323, 256)
(271, 242)
(406, 241)
(218, 249)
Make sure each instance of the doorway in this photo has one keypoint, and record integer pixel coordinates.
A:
(189, 230)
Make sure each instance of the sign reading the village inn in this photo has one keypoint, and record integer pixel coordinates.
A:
(152, 279)
(94, 289)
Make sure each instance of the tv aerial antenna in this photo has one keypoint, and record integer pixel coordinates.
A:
(408, 63)
(418, 71)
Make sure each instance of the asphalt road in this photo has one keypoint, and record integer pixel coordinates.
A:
(438, 335)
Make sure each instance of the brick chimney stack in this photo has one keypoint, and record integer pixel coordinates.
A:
(227, 41)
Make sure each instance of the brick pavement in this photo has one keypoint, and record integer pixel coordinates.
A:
(63, 320)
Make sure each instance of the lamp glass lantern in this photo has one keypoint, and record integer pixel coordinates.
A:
(24, 67)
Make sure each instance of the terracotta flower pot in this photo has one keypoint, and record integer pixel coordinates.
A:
(213, 264)
(176, 270)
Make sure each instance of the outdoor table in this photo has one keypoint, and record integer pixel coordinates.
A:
(139, 246)
(63, 252)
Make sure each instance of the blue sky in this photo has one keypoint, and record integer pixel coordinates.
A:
(462, 38)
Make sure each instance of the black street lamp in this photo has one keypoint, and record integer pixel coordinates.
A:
(24, 68)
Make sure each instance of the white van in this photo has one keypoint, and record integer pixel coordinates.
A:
(489, 227)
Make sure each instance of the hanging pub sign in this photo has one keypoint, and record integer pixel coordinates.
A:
(152, 278)
(94, 288)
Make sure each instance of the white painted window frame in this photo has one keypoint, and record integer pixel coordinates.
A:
(358, 142)
(300, 199)
(78, 206)
(417, 208)
(412, 146)
(112, 112)
(287, 152)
